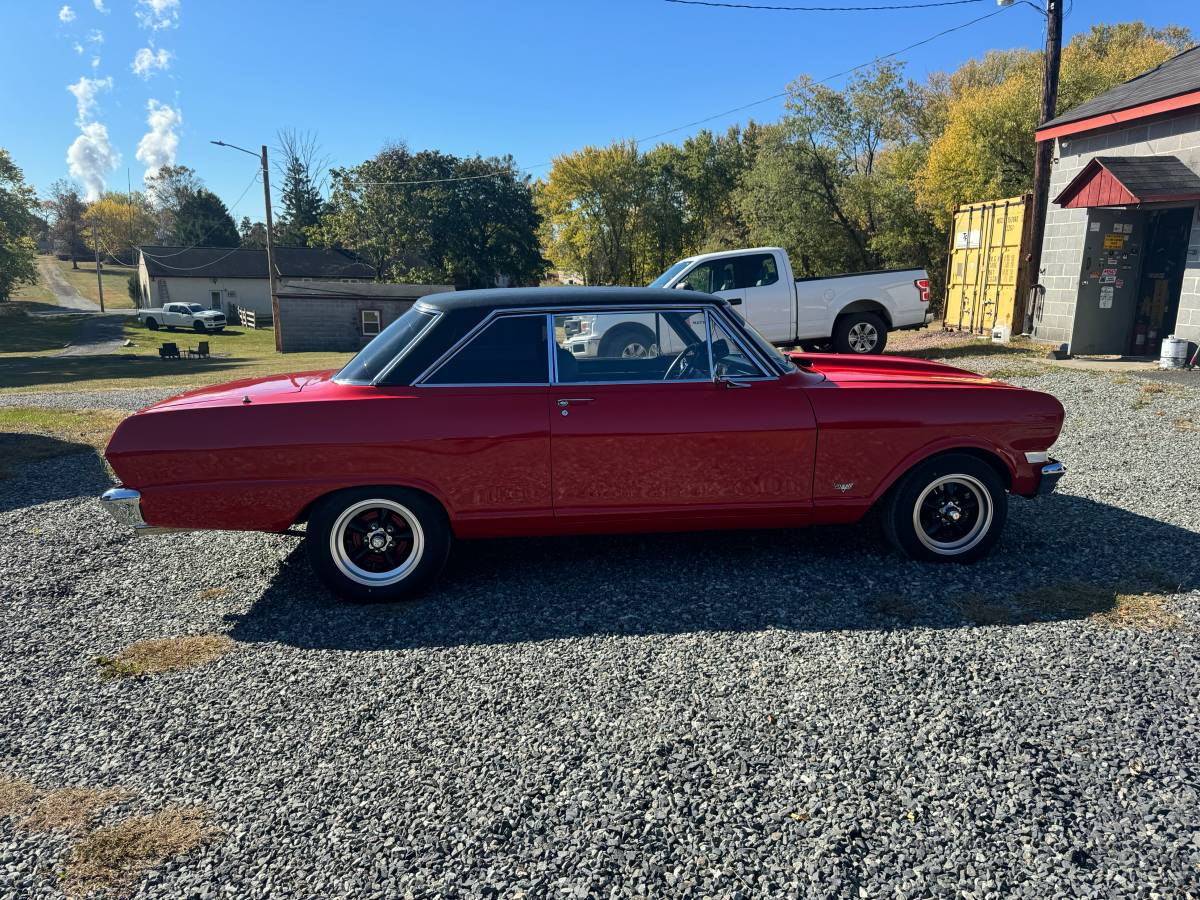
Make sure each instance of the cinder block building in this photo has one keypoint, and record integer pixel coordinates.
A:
(322, 315)
(1121, 254)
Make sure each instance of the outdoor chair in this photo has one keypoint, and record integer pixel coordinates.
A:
(200, 352)
(168, 351)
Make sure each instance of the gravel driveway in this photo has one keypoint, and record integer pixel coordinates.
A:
(759, 714)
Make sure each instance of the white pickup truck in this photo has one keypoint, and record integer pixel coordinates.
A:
(854, 312)
(192, 316)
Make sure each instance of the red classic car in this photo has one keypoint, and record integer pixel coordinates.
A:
(470, 417)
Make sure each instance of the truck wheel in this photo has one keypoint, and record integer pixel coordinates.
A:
(951, 508)
(628, 342)
(152, 324)
(198, 326)
(860, 332)
(377, 544)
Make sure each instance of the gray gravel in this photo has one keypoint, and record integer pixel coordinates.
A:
(131, 399)
(721, 715)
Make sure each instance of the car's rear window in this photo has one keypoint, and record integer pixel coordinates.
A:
(399, 337)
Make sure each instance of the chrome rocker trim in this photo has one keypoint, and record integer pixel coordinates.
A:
(125, 505)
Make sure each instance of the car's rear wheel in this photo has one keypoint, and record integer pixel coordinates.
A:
(951, 508)
(862, 333)
(152, 324)
(377, 544)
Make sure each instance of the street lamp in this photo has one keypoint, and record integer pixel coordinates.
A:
(266, 179)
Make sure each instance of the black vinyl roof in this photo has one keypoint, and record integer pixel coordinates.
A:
(1178, 75)
(230, 262)
(565, 297)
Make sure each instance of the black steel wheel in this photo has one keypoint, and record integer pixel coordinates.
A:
(951, 508)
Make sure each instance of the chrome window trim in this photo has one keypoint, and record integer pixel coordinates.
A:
(754, 357)
(459, 345)
(435, 317)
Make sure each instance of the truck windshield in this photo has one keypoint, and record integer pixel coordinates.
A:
(666, 276)
(195, 307)
(397, 338)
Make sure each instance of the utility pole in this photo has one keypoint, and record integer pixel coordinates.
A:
(99, 280)
(266, 180)
(1044, 149)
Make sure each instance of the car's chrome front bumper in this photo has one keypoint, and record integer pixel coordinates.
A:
(1051, 472)
(125, 505)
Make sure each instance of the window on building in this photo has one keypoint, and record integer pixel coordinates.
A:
(370, 322)
(511, 350)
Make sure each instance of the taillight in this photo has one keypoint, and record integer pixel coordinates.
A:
(922, 286)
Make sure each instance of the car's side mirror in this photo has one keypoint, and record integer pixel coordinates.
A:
(734, 301)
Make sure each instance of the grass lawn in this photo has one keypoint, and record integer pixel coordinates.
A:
(28, 434)
(26, 335)
(83, 279)
(238, 353)
(33, 293)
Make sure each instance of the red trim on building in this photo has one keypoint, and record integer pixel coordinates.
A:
(1170, 104)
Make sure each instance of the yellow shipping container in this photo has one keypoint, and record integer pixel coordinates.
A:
(984, 268)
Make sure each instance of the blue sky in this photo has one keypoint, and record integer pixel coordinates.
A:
(529, 78)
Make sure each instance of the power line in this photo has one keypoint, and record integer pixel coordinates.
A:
(204, 265)
(744, 106)
(824, 8)
(826, 79)
(214, 227)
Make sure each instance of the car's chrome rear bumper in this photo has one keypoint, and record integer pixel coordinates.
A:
(125, 505)
(1051, 472)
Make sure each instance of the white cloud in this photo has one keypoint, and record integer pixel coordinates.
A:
(95, 36)
(147, 61)
(79, 48)
(95, 62)
(91, 157)
(66, 14)
(100, 7)
(158, 14)
(85, 91)
(158, 145)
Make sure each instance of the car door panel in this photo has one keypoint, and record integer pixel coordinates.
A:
(680, 452)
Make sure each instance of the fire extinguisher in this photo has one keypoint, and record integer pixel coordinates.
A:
(1139, 339)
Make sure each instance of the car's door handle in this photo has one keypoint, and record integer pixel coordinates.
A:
(567, 401)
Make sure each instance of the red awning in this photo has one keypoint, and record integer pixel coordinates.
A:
(1130, 180)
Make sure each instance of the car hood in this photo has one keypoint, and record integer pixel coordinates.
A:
(848, 369)
(271, 389)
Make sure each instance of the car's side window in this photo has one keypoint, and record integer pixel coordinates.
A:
(634, 346)
(729, 359)
(509, 350)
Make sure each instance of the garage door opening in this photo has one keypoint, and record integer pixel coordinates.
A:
(1163, 265)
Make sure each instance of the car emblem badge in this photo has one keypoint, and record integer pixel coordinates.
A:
(843, 487)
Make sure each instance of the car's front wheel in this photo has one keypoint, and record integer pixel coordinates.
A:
(860, 333)
(198, 327)
(377, 544)
(951, 508)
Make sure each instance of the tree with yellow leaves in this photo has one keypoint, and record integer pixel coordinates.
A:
(122, 221)
(989, 109)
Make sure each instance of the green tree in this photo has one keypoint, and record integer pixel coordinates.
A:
(253, 234)
(66, 207)
(203, 220)
(303, 170)
(166, 190)
(431, 217)
(18, 203)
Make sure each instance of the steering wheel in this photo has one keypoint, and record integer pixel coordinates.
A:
(683, 365)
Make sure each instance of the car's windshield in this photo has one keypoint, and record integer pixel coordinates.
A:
(195, 307)
(772, 352)
(666, 276)
(397, 338)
